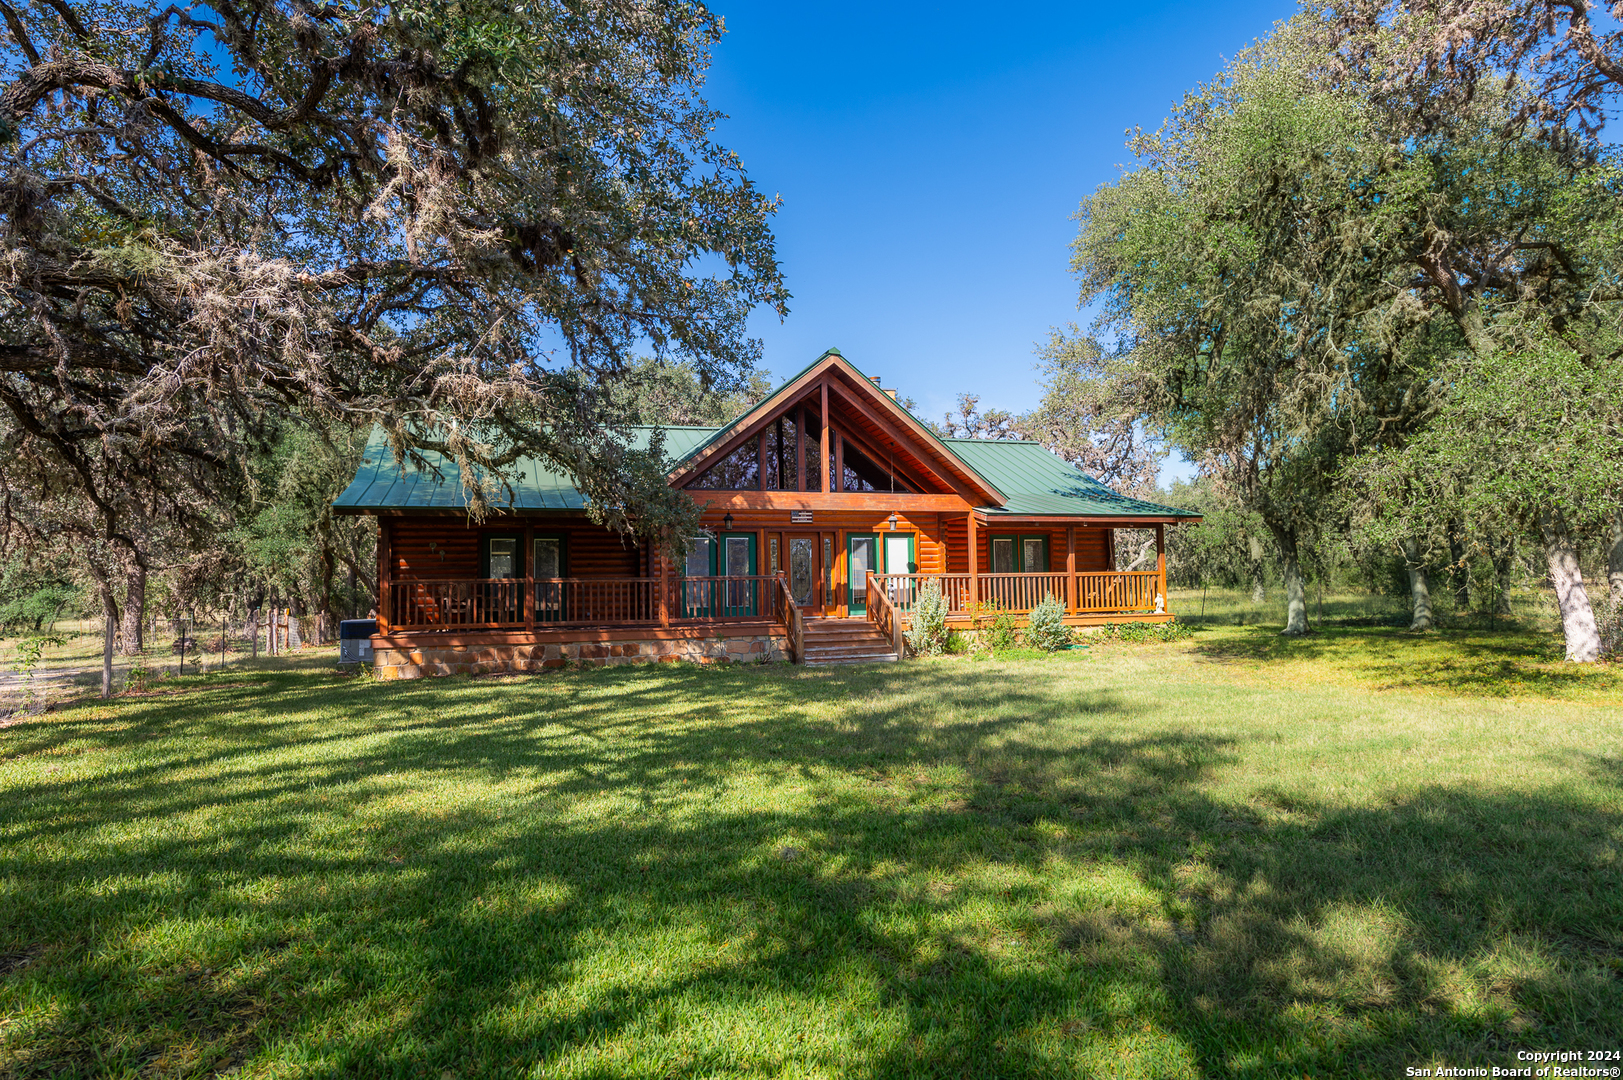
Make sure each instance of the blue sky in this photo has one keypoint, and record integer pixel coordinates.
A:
(930, 158)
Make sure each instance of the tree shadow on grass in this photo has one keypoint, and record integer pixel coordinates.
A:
(1475, 663)
(869, 873)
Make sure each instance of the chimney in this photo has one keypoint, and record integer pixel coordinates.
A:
(875, 380)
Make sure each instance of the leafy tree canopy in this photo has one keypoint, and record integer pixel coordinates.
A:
(450, 217)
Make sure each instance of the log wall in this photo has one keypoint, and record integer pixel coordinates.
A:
(448, 547)
(592, 551)
(1092, 546)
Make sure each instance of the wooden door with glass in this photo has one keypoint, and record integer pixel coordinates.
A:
(698, 571)
(498, 598)
(549, 563)
(736, 555)
(806, 570)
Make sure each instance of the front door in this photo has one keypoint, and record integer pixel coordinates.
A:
(804, 570)
(862, 555)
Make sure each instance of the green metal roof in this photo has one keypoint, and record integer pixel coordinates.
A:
(381, 483)
(1036, 483)
(1039, 484)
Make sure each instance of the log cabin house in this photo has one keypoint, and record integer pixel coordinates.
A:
(824, 509)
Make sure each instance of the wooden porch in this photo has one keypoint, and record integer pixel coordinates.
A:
(1087, 596)
(541, 609)
(554, 603)
(536, 604)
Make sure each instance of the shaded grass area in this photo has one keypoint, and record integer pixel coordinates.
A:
(1219, 606)
(1468, 663)
(1200, 859)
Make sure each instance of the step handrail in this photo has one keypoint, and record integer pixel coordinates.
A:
(794, 621)
(884, 617)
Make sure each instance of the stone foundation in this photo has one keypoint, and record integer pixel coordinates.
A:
(395, 661)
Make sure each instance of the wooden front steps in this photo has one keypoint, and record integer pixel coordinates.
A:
(846, 641)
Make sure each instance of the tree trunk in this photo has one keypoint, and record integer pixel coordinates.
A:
(1502, 552)
(1419, 585)
(135, 608)
(1577, 617)
(1614, 559)
(1459, 571)
(1295, 584)
(1259, 593)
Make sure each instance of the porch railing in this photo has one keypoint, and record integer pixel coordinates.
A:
(511, 603)
(1097, 592)
(719, 599)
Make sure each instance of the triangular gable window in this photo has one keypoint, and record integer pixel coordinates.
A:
(863, 474)
(738, 471)
(869, 449)
(779, 445)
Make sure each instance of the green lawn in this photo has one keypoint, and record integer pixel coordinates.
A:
(1232, 856)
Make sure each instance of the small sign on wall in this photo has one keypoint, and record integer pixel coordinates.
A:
(800, 517)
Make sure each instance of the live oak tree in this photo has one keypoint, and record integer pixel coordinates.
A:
(664, 394)
(1240, 269)
(1432, 57)
(1298, 273)
(1518, 243)
(1084, 418)
(1529, 436)
(971, 422)
(452, 219)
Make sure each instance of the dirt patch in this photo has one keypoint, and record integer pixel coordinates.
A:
(13, 962)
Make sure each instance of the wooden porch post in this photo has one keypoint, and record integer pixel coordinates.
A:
(974, 565)
(385, 573)
(1161, 565)
(822, 458)
(664, 588)
(528, 600)
(1070, 568)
